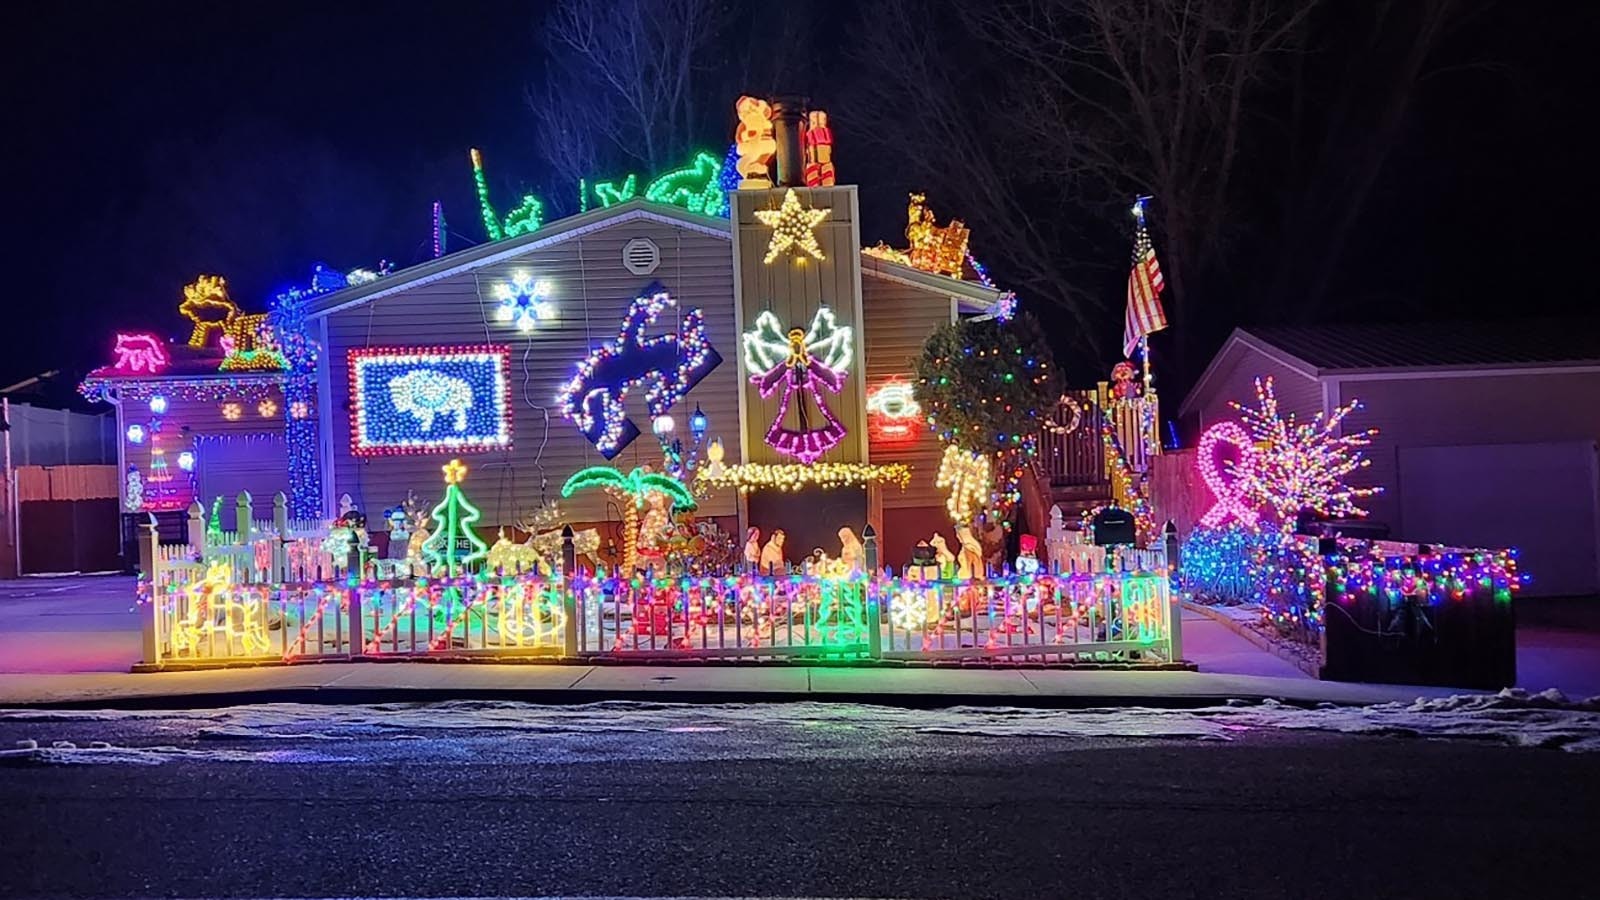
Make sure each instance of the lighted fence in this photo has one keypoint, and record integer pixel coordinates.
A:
(1110, 617)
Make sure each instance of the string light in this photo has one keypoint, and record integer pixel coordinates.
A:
(1303, 466)
(139, 352)
(804, 363)
(631, 491)
(524, 219)
(792, 477)
(966, 476)
(429, 399)
(611, 194)
(1229, 482)
(453, 519)
(491, 219)
(669, 365)
(696, 187)
(207, 305)
(523, 301)
(793, 228)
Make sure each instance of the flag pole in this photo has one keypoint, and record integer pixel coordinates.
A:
(1144, 339)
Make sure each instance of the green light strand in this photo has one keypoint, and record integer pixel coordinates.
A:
(456, 517)
(491, 219)
(609, 194)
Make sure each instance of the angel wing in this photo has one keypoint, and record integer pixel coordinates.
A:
(829, 342)
(766, 345)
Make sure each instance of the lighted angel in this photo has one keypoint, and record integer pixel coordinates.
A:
(802, 363)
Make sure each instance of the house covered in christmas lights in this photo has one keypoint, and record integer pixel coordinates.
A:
(748, 333)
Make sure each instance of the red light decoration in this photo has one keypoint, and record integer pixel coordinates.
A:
(896, 415)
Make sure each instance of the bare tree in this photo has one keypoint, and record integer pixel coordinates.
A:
(916, 102)
(624, 79)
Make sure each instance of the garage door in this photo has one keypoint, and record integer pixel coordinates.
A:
(1540, 498)
(228, 464)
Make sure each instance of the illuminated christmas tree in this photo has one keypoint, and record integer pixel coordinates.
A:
(1303, 466)
(454, 544)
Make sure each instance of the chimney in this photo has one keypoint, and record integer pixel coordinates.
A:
(788, 126)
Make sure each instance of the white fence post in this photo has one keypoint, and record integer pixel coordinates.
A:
(244, 517)
(149, 559)
(197, 529)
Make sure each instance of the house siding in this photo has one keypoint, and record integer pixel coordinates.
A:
(1234, 380)
(188, 422)
(591, 292)
(898, 320)
(1463, 410)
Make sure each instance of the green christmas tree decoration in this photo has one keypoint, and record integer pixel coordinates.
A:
(987, 385)
(454, 518)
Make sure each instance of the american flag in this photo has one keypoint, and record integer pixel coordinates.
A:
(1145, 314)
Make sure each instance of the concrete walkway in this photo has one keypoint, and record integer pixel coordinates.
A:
(72, 640)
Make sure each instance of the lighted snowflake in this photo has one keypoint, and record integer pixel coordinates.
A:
(523, 302)
(267, 408)
(232, 411)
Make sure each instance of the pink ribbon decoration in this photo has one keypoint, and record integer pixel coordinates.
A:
(1228, 486)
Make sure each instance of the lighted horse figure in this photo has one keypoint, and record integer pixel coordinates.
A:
(669, 365)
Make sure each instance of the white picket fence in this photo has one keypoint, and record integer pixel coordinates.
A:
(278, 550)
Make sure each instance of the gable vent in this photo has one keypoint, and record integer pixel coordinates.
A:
(641, 256)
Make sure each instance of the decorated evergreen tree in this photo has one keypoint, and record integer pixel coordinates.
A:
(454, 518)
(989, 385)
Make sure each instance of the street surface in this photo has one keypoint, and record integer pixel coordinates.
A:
(823, 800)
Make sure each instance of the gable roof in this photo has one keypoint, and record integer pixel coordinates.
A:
(973, 296)
(1416, 346)
(1412, 348)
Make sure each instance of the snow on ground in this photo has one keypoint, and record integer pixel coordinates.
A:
(1512, 717)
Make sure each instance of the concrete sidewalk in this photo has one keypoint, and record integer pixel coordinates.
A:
(736, 683)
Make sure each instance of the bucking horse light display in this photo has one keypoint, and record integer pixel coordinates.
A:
(669, 365)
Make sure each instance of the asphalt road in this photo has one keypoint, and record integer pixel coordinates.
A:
(762, 801)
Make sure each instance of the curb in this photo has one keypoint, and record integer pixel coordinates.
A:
(1253, 637)
(331, 696)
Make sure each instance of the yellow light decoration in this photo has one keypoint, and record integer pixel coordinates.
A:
(207, 305)
(232, 411)
(790, 477)
(935, 248)
(212, 609)
(792, 228)
(966, 475)
(267, 408)
(941, 249)
(884, 251)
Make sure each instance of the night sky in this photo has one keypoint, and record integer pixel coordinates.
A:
(151, 142)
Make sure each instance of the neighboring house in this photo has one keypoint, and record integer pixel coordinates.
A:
(332, 434)
(1487, 431)
(59, 495)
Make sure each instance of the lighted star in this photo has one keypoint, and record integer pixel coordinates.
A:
(455, 471)
(792, 227)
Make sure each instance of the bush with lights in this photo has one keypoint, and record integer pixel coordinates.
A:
(986, 384)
